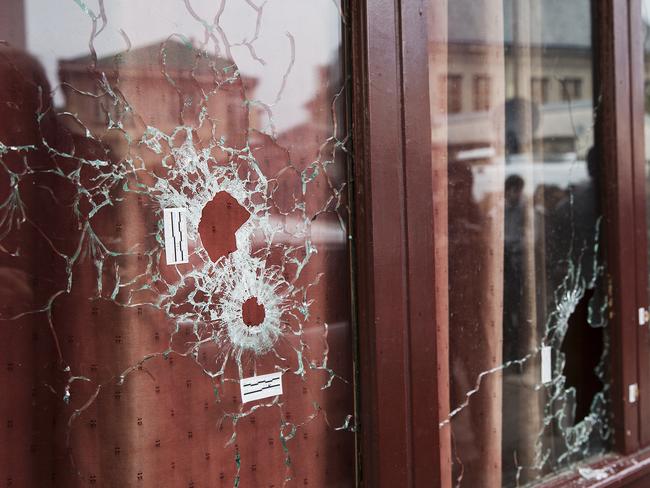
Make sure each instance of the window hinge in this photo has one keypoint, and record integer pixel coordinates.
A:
(644, 316)
(633, 393)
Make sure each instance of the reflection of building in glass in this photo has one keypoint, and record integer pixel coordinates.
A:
(545, 61)
(162, 85)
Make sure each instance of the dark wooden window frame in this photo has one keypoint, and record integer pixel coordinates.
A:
(402, 362)
(398, 401)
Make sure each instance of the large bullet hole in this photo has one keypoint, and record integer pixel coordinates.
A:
(253, 312)
(220, 219)
(583, 348)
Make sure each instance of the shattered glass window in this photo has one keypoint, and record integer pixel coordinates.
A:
(528, 337)
(174, 229)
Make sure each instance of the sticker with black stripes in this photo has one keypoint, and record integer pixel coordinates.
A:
(175, 220)
(263, 386)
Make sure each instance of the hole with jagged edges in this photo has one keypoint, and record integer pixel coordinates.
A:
(253, 312)
(220, 219)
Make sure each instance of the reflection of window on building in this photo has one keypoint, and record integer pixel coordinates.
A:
(481, 93)
(442, 98)
(539, 89)
(454, 93)
(571, 89)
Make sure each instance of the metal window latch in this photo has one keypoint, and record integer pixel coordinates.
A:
(633, 393)
(644, 316)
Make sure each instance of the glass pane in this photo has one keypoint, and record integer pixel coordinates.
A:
(513, 108)
(173, 225)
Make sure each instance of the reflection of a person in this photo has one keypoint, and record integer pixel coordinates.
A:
(574, 224)
(467, 360)
(25, 267)
(24, 92)
(519, 136)
(514, 215)
(521, 121)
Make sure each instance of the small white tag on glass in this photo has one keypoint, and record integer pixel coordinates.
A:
(633, 393)
(547, 366)
(263, 386)
(176, 235)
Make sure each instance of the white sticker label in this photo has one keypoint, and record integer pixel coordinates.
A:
(176, 235)
(263, 386)
(547, 366)
(633, 393)
(642, 316)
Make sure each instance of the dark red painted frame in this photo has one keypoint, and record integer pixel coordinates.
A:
(613, 137)
(399, 435)
(637, 107)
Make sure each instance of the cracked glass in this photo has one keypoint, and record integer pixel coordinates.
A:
(513, 107)
(174, 222)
